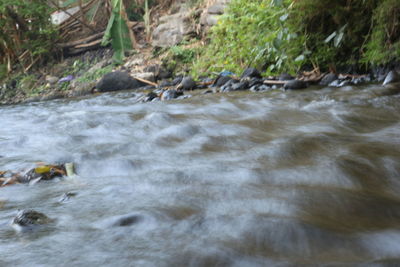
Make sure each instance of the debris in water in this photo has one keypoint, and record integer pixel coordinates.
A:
(35, 175)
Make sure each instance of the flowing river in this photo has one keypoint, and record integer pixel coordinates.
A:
(238, 179)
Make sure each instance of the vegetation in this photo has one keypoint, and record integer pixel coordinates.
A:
(287, 35)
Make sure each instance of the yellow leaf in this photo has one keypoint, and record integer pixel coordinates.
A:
(42, 169)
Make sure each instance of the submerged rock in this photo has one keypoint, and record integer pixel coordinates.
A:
(295, 85)
(117, 80)
(28, 220)
(392, 77)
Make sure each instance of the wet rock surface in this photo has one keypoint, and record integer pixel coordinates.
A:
(295, 85)
(117, 80)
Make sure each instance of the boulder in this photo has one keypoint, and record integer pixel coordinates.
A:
(117, 80)
(217, 8)
(222, 80)
(392, 77)
(251, 72)
(171, 30)
(328, 79)
(295, 85)
(187, 83)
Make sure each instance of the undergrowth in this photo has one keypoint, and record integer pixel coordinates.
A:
(287, 36)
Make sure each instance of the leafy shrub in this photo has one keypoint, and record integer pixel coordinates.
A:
(286, 35)
(25, 25)
(384, 43)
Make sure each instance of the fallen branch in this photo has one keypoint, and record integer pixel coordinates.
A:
(146, 81)
(275, 82)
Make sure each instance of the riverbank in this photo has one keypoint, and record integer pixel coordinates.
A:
(94, 72)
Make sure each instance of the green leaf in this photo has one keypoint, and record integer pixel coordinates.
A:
(118, 32)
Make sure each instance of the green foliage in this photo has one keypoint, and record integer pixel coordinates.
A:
(384, 44)
(252, 33)
(93, 76)
(287, 35)
(118, 32)
(25, 25)
(180, 57)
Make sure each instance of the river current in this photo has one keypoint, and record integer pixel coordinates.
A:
(238, 179)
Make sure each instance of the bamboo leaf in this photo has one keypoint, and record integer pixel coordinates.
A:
(118, 32)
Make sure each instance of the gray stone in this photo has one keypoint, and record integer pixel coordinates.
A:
(240, 86)
(117, 80)
(171, 30)
(216, 9)
(329, 78)
(222, 80)
(83, 89)
(295, 85)
(392, 77)
(187, 83)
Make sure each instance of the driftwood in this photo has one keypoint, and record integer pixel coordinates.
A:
(146, 81)
(275, 82)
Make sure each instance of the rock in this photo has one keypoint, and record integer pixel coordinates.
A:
(222, 80)
(165, 83)
(263, 88)
(51, 79)
(251, 72)
(172, 30)
(255, 81)
(285, 77)
(148, 76)
(295, 85)
(170, 94)
(328, 79)
(117, 80)
(52, 96)
(392, 77)
(360, 80)
(339, 83)
(187, 83)
(217, 9)
(67, 196)
(82, 89)
(28, 220)
(177, 80)
(240, 86)
(127, 220)
(227, 87)
(150, 96)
